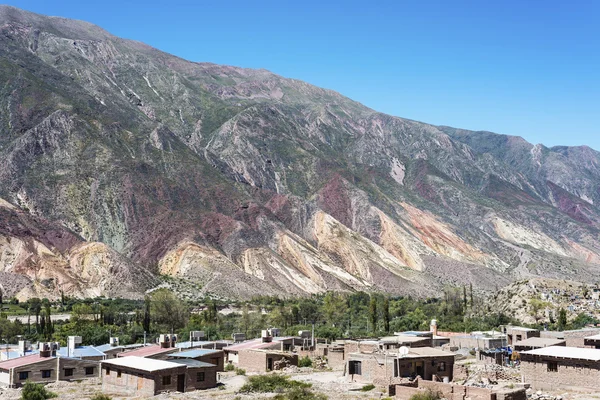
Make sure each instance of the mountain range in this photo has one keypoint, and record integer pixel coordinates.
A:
(125, 169)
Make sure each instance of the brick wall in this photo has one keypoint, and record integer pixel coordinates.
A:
(192, 382)
(129, 384)
(217, 358)
(57, 367)
(336, 360)
(257, 361)
(571, 373)
(457, 392)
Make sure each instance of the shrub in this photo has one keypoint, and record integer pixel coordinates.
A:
(35, 391)
(240, 371)
(426, 395)
(101, 396)
(229, 367)
(367, 388)
(305, 362)
(271, 384)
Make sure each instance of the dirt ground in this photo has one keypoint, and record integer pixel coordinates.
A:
(331, 384)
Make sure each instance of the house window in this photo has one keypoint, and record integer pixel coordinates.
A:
(519, 338)
(118, 373)
(200, 377)
(107, 371)
(46, 373)
(89, 370)
(442, 366)
(552, 366)
(166, 380)
(355, 368)
(69, 371)
(23, 375)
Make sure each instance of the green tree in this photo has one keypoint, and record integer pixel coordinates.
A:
(562, 319)
(147, 313)
(386, 314)
(334, 308)
(373, 312)
(167, 310)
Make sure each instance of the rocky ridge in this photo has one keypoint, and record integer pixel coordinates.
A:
(125, 163)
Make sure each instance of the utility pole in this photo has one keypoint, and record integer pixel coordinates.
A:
(313, 336)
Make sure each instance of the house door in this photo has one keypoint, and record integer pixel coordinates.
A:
(181, 383)
(419, 369)
(269, 364)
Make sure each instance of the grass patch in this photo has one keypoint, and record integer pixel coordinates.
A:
(426, 395)
(300, 394)
(229, 367)
(240, 371)
(367, 388)
(272, 384)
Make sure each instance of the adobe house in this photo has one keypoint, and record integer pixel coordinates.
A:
(232, 352)
(148, 377)
(427, 362)
(263, 360)
(210, 356)
(561, 367)
(45, 368)
(537, 343)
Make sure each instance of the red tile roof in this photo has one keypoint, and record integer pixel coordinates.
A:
(20, 361)
(148, 351)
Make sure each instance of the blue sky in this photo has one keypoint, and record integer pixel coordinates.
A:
(527, 68)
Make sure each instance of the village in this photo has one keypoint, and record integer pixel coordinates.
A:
(512, 363)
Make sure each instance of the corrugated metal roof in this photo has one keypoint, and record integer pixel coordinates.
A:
(188, 362)
(107, 347)
(566, 352)
(194, 353)
(80, 352)
(141, 363)
(19, 362)
(147, 351)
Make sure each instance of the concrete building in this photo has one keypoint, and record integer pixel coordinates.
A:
(385, 367)
(42, 368)
(142, 376)
(517, 333)
(397, 341)
(560, 367)
(210, 356)
(537, 343)
(478, 341)
(232, 352)
(264, 360)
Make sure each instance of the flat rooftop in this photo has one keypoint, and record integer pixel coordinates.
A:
(539, 342)
(577, 353)
(141, 363)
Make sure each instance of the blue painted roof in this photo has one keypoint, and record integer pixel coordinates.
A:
(189, 345)
(79, 352)
(106, 347)
(194, 353)
(15, 354)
